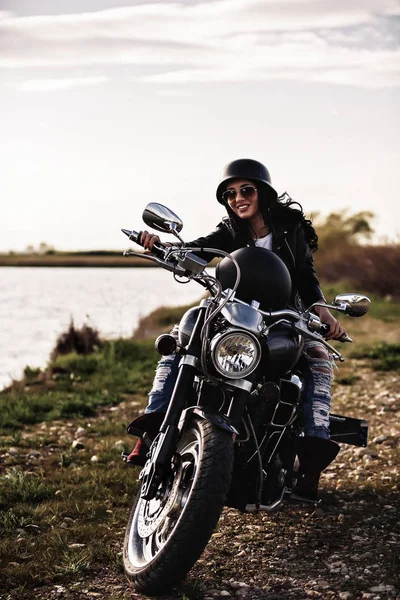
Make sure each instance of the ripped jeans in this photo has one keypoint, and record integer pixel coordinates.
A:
(317, 374)
(316, 403)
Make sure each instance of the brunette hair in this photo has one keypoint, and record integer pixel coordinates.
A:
(271, 207)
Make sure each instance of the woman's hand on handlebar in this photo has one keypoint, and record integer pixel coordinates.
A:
(148, 240)
(336, 330)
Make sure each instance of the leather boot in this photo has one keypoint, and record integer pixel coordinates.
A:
(315, 454)
(149, 423)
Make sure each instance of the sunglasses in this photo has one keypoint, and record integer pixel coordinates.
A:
(247, 191)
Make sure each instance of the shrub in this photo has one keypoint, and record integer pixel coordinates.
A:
(340, 230)
(372, 269)
(31, 372)
(160, 320)
(126, 350)
(81, 341)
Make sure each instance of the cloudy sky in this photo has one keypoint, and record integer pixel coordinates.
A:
(106, 105)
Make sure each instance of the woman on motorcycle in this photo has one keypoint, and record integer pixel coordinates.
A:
(257, 216)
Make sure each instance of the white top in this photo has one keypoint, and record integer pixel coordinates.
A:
(265, 242)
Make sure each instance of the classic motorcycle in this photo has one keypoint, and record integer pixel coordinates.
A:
(229, 437)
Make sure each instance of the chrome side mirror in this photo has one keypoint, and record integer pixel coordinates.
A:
(353, 305)
(162, 218)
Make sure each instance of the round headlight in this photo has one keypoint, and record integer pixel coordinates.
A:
(235, 354)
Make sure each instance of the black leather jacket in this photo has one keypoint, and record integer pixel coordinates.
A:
(289, 243)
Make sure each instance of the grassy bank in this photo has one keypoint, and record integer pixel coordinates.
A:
(65, 493)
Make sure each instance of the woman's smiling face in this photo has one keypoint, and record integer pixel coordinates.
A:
(241, 195)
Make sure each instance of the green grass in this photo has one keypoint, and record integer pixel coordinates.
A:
(62, 516)
(347, 379)
(54, 530)
(385, 357)
(15, 518)
(18, 486)
(76, 385)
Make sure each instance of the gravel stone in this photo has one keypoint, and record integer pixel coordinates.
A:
(78, 445)
(120, 445)
(34, 454)
(379, 439)
(383, 587)
(80, 432)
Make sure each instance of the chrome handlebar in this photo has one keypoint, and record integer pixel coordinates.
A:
(182, 262)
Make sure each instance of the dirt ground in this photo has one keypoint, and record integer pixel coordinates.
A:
(347, 548)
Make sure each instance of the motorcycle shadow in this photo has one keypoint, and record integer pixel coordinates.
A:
(297, 544)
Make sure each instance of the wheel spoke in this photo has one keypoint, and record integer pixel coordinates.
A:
(148, 547)
(163, 531)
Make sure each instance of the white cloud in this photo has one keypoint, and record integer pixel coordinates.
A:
(226, 40)
(313, 60)
(49, 85)
(174, 93)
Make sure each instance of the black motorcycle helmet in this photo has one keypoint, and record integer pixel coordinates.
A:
(246, 168)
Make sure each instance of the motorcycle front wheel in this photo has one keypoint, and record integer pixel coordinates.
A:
(166, 535)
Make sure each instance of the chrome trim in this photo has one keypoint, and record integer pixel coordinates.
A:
(355, 305)
(291, 418)
(283, 314)
(240, 384)
(271, 454)
(252, 508)
(245, 439)
(172, 267)
(191, 262)
(206, 302)
(295, 379)
(162, 218)
(301, 327)
(190, 360)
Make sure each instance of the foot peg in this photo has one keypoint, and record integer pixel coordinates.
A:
(304, 499)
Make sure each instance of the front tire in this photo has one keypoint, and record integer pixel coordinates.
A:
(164, 537)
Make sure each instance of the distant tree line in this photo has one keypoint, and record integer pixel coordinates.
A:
(345, 254)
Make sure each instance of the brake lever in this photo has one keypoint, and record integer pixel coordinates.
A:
(302, 327)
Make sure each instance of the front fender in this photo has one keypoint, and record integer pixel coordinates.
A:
(218, 420)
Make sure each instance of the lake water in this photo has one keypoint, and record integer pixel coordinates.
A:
(37, 304)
